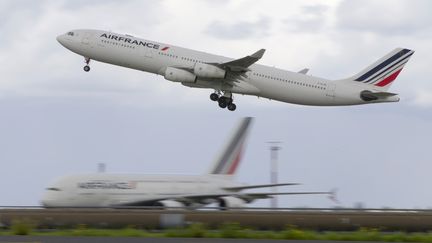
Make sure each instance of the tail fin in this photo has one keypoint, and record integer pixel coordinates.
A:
(383, 72)
(230, 156)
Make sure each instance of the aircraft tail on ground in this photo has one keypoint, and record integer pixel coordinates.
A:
(229, 159)
(383, 72)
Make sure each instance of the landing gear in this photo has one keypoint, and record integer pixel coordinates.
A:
(232, 107)
(214, 97)
(87, 62)
(224, 101)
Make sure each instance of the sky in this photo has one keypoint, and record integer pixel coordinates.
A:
(57, 120)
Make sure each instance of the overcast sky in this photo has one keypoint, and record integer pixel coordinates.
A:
(57, 120)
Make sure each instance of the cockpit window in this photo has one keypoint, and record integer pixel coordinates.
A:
(70, 33)
(53, 189)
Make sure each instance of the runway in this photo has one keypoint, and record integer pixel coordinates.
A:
(59, 239)
(330, 219)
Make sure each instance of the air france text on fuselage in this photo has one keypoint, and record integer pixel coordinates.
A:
(106, 185)
(131, 41)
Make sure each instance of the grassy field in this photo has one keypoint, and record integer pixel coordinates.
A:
(227, 230)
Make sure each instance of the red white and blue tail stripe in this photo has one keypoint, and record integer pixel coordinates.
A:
(384, 71)
(229, 159)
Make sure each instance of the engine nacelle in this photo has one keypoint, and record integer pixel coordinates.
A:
(208, 71)
(179, 75)
(169, 204)
(230, 202)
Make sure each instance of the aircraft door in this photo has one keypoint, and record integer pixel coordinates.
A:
(330, 90)
(146, 52)
(86, 39)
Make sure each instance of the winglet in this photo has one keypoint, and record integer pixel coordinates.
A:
(333, 196)
(304, 71)
(259, 54)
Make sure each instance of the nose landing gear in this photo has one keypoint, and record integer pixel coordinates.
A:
(87, 62)
(224, 101)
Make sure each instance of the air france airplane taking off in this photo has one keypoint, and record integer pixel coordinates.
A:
(242, 76)
(114, 190)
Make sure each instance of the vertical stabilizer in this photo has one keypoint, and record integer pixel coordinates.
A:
(383, 72)
(229, 158)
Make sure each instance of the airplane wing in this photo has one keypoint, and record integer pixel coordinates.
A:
(211, 198)
(242, 64)
(263, 195)
(239, 188)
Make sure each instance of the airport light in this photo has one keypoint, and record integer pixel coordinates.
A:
(274, 148)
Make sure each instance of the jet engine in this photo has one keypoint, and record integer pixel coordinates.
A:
(169, 204)
(230, 202)
(179, 75)
(208, 71)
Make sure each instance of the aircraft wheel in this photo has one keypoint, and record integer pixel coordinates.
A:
(86, 68)
(232, 107)
(222, 102)
(214, 96)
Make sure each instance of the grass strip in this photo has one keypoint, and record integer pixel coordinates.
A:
(227, 230)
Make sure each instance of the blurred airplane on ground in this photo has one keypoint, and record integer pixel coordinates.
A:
(218, 186)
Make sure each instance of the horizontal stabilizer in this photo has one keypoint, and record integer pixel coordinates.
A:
(370, 96)
(238, 188)
(304, 71)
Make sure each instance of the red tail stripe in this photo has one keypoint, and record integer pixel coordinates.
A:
(235, 163)
(389, 79)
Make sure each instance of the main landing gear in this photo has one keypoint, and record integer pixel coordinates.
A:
(224, 101)
(87, 62)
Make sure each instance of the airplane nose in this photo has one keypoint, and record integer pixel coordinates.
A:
(44, 203)
(60, 39)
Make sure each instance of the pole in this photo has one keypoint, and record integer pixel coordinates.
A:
(274, 148)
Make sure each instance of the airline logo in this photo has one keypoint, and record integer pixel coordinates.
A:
(229, 161)
(387, 71)
(107, 185)
(133, 41)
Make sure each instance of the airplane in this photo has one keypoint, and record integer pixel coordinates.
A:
(166, 191)
(227, 76)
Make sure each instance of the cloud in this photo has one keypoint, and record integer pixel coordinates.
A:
(311, 19)
(240, 30)
(423, 98)
(399, 17)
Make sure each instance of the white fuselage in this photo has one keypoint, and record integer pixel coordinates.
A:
(104, 190)
(262, 81)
